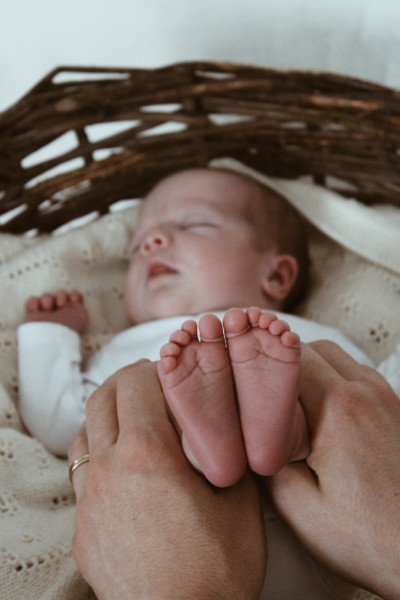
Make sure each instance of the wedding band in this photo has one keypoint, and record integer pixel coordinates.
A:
(77, 463)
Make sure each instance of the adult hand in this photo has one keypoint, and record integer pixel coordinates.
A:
(343, 502)
(147, 524)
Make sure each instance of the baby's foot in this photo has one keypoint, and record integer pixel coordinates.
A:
(265, 361)
(62, 307)
(197, 382)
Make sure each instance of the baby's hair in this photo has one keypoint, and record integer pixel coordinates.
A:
(285, 232)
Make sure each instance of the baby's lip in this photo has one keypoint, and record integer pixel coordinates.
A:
(159, 269)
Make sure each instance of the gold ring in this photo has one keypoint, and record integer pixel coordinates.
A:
(77, 463)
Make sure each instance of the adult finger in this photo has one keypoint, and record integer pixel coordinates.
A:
(140, 400)
(344, 364)
(79, 447)
(101, 416)
(293, 487)
(318, 378)
(301, 502)
(325, 368)
(110, 407)
(145, 429)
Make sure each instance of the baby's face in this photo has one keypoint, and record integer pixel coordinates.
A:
(196, 248)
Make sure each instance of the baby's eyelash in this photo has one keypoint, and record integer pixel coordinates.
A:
(199, 224)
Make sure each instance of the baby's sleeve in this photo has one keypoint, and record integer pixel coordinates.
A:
(52, 392)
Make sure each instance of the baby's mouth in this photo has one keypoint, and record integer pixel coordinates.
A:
(159, 269)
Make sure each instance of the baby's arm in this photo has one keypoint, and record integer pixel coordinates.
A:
(53, 390)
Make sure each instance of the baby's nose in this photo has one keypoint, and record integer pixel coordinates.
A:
(155, 239)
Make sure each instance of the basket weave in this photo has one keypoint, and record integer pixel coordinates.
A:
(283, 123)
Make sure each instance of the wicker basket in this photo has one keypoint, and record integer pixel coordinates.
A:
(343, 132)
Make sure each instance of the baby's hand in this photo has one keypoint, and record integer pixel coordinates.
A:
(62, 307)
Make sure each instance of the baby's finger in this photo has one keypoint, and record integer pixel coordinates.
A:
(47, 302)
(61, 298)
(76, 297)
(32, 304)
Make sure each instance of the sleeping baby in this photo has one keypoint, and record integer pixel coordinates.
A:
(217, 261)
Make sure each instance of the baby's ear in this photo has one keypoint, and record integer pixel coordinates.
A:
(280, 276)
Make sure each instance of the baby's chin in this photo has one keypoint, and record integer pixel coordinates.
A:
(173, 310)
(147, 315)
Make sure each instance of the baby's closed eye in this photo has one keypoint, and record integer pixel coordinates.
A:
(198, 223)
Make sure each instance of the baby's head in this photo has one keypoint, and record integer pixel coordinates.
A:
(209, 239)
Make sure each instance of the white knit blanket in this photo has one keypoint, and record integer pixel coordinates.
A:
(357, 291)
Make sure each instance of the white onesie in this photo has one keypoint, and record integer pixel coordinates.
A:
(53, 394)
(54, 389)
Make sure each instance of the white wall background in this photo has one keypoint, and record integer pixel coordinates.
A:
(355, 37)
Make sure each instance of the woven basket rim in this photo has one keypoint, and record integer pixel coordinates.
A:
(287, 123)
